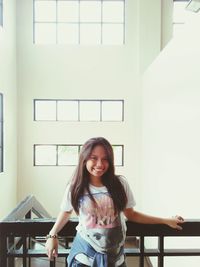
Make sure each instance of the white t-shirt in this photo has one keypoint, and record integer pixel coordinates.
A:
(99, 225)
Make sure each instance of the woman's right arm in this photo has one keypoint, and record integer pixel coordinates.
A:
(52, 242)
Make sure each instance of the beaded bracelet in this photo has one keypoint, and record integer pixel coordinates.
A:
(51, 236)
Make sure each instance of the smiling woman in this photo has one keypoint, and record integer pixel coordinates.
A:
(100, 198)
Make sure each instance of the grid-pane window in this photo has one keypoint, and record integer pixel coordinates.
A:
(1, 132)
(67, 155)
(79, 22)
(1, 12)
(78, 110)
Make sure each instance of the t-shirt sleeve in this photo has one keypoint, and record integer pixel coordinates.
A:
(130, 197)
(66, 201)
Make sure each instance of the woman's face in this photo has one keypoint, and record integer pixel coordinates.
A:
(97, 164)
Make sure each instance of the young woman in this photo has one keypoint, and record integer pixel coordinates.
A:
(101, 199)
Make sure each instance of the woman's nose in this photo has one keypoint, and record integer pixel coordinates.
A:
(99, 162)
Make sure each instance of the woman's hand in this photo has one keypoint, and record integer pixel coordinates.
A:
(52, 248)
(175, 222)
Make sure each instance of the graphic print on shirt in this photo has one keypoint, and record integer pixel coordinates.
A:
(103, 226)
(100, 214)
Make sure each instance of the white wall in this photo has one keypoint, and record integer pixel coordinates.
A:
(69, 72)
(171, 130)
(8, 179)
(155, 29)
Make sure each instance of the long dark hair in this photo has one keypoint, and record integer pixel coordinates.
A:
(80, 179)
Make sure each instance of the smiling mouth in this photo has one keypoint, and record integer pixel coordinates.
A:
(98, 170)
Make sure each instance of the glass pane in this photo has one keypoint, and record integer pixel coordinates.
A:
(113, 11)
(90, 111)
(45, 155)
(45, 33)
(90, 11)
(45, 11)
(68, 110)
(45, 110)
(68, 11)
(67, 155)
(113, 34)
(68, 34)
(118, 155)
(112, 111)
(90, 33)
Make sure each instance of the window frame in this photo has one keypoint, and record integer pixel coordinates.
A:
(79, 117)
(79, 23)
(70, 145)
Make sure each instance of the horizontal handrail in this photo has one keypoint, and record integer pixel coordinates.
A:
(18, 231)
(41, 226)
(27, 228)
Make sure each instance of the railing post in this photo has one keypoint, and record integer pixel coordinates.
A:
(3, 251)
(161, 251)
(24, 251)
(11, 260)
(53, 263)
(141, 251)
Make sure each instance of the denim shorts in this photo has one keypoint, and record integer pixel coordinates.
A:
(79, 264)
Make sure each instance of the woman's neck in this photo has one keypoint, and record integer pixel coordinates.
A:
(96, 181)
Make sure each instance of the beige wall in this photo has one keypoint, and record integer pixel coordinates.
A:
(62, 72)
(171, 130)
(155, 29)
(8, 179)
(70, 72)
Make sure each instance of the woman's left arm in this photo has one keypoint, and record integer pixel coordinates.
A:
(139, 217)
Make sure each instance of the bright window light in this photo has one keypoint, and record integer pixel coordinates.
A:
(45, 155)
(90, 11)
(118, 155)
(90, 34)
(90, 111)
(68, 110)
(45, 11)
(112, 111)
(68, 11)
(78, 110)
(73, 22)
(67, 33)
(113, 11)
(45, 110)
(68, 155)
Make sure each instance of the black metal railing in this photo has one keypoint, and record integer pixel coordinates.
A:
(16, 240)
